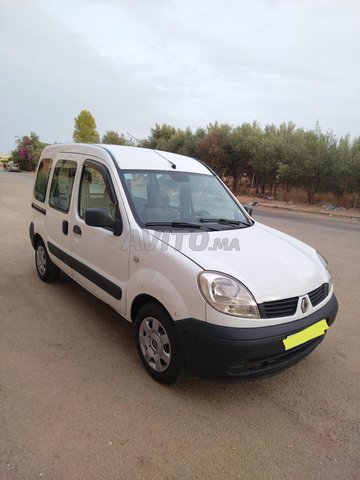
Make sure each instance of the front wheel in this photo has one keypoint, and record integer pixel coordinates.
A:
(47, 270)
(157, 345)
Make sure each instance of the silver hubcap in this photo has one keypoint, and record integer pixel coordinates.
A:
(155, 344)
(41, 260)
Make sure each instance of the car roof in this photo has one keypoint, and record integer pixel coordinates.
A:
(132, 158)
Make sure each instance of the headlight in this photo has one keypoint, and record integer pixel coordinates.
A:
(227, 295)
(327, 268)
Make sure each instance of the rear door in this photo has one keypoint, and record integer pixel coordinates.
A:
(98, 261)
(58, 217)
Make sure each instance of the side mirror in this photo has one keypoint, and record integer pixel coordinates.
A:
(100, 217)
(248, 209)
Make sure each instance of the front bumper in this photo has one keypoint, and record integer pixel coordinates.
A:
(233, 354)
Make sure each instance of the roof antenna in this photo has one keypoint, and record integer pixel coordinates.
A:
(155, 151)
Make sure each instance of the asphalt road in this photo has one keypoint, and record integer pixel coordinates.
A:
(75, 402)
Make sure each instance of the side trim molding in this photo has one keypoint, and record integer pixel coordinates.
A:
(87, 272)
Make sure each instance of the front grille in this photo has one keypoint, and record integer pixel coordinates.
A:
(279, 308)
(319, 294)
(287, 307)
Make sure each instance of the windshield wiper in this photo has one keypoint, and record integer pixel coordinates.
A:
(173, 224)
(224, 221)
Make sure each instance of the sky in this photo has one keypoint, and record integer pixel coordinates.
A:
(135, 63)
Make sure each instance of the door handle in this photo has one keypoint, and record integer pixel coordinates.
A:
(65, 227)
(77, 229)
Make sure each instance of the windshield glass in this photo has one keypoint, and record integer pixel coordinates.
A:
(173, 197)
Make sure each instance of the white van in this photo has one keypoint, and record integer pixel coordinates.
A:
(162, 240)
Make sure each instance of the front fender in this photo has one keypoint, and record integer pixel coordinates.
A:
(171, 279)
(157, 285)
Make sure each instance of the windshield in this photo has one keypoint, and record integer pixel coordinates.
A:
(177, 198)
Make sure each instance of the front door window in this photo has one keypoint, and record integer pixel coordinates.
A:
(94, 192)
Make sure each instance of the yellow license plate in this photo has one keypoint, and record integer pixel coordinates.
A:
(309, 333)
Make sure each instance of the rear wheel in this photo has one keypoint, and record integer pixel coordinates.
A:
(157, 345)
(47, 270)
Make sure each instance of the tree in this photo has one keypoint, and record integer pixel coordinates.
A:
(166, 137)
(160, 137)
(267, 156)
(111, 137)
(355, 170)
(213, 148)
(85, 128)
(243, 141)
(27, 152)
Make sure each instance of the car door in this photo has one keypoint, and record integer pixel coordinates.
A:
(99, 263)
(58, 218)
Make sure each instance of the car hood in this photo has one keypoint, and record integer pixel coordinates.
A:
(271, 264)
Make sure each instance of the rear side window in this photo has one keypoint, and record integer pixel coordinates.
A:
(62, 185)
(42, 179)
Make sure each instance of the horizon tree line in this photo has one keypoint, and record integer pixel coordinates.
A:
(263, 158)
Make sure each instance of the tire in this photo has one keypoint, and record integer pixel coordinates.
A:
(157, 344)
(46, 269)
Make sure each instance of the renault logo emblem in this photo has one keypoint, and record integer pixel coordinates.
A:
(304, 304)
